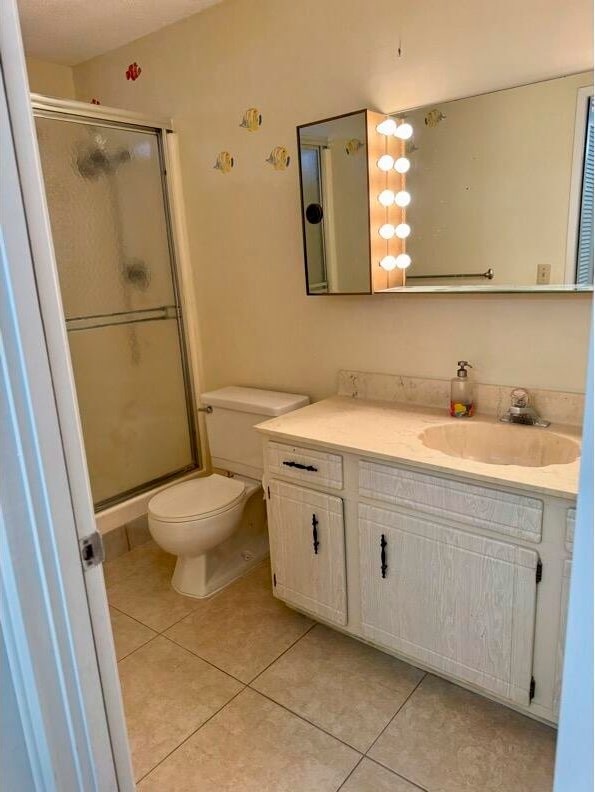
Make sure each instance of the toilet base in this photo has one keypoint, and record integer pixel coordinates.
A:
(205, 575)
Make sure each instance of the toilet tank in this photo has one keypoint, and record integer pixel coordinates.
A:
(233, 442)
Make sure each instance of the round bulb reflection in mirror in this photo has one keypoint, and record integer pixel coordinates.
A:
(404, 131)
(387, 231)
(386, 162)
(402, 198)
(403, 261)
(388, 263)
(387, 198)
(403, 230)
(402, 165)
(387, 127)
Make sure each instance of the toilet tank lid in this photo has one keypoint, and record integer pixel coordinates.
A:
(254, 400)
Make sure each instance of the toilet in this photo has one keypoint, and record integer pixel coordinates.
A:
(197, 520)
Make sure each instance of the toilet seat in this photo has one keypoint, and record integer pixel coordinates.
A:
(197, 499)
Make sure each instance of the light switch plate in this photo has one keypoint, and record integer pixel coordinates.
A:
(544, 272)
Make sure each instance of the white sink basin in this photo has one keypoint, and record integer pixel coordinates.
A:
(501, 444)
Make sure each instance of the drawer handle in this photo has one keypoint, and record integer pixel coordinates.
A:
(315, 541)
(383, 564)
(299, 466)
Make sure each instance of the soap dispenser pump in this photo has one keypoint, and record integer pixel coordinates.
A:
(461, 392)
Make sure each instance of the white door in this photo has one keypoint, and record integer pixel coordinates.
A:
(55, 633)
(461, 603)
(307, 539)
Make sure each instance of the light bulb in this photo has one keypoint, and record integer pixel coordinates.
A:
(402, 165)
(404, 131)
(403, 230)
(387, 197)
(402, 198)
(386, 162)
(403, 261)
(387, 127)
(387, 231)
(388, 263)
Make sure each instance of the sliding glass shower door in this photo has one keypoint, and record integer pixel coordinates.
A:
(110, 224)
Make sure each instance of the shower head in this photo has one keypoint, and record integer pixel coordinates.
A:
(94, 160)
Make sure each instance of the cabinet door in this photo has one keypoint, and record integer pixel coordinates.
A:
(459, 602)
(308, 550)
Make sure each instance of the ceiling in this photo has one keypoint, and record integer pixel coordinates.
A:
(72, 31)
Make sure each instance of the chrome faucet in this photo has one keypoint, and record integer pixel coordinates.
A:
(520, 411)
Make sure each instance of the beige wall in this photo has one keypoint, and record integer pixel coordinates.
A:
(300, 61)
(50, 79)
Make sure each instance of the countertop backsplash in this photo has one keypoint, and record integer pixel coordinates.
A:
(559, 407)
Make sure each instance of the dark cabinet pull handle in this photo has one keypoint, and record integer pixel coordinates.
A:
(383, 564)
(315, 541)
(299, 466)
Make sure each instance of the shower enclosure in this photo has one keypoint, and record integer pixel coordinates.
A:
(108, 204)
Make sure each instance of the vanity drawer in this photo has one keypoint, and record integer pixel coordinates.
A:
(501, 512)
(304, 464)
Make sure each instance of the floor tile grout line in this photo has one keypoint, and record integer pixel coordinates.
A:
(223, 671)
(185, 740)
(134, 619)
(141, 646)
(397, 712)
(194, 608)
(305, 720)
(386, 727)
(351, 772)
(199, 657)
(399, 775)
(297, 640)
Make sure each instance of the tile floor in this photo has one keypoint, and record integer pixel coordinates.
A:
(240, 693)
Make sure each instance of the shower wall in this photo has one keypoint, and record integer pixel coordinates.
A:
(108, 210)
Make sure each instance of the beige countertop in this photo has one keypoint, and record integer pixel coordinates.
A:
(391, 431)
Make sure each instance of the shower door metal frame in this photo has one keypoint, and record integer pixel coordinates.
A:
(98, 115)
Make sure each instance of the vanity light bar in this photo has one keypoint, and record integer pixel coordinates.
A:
(388, 198)
(402, 261)
(400, 129)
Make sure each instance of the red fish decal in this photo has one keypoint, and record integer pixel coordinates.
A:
(95, 101)
(133, 71)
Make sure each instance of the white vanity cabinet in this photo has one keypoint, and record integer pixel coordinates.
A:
(463, 578)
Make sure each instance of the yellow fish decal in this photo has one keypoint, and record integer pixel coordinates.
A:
(279, 158)
(224, 162)
(251, 120)
(434, 117)
(353, 146)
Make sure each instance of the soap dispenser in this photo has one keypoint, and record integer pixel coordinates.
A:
(461, 393)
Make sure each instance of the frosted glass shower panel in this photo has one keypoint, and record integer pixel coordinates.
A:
(105, 195)
(105, 187)
(132, 402)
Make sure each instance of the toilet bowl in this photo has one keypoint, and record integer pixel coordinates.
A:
(206, 522)
(192, 518)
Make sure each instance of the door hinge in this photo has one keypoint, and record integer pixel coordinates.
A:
(532, 689)
(538, 572)
(274, 579)
(92, 550)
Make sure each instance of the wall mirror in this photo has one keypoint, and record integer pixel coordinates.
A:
(335, 206)
(485, 193)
